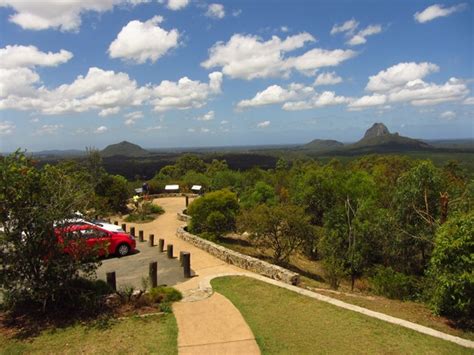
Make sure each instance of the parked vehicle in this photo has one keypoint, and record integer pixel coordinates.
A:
(83, 237)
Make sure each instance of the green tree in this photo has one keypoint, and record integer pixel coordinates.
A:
(35, 270)
(114, 191)
(452, 269)
(261, 193)
(280, 228)
(214, 213)
(189, 162)
(93, 164)
(417, 211)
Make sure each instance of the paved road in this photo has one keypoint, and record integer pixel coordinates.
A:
(131, 269)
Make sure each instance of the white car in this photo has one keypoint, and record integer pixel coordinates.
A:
(107, 226)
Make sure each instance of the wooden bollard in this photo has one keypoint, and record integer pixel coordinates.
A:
(181, 257)
(186, 262)
(116, 223)
(151, 240)
(153, 274)
(161, 245)
(111, 280)
(132, 231)
(124, 227)
(140, 236)
(187, 200)
(169, 251)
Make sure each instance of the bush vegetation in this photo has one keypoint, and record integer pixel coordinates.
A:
(375, 217)
(404, 225)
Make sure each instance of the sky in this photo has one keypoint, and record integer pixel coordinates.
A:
(189, 73)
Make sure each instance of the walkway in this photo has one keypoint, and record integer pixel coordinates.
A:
(207, 325)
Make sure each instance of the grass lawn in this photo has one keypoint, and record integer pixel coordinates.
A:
(285, 322)
(153, 334)
(312, 272)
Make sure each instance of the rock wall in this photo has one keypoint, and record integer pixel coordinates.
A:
(243, 261)
(183, 217)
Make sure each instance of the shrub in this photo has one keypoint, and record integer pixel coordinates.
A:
(392, 284)
(280, 228)
(145, 213)
(214, 213)
(452, 269)
(164, 294)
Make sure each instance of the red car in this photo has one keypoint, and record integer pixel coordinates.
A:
(95, 238)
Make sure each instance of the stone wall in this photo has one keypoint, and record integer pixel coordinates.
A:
(243, 261)
(183, 217)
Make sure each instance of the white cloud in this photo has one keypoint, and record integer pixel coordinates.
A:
(237, 12)
(205, 130)
(469, 101)
(64, 15)
(275, 94)
(263, 124)
(17, 68)
(18, 56)
(420, 93)
(133, 117)
(348, 27)
(400, 74)
(101, 129)
(109, 111)
(6, 128)
(294, 97)
(434, 11)
(224, 122)
(328, 78)
(249, 57)
(215, 11)
(185, 93)
(98, 90)
(367, 101)
(176, 5)
(105, 91)
(48, 129)
(403, 83)
(448, 115)
(191, 130)
(151, 129)
(206, 117)
(360, 37)
(326, 98)
(284, 29)
(141, 41)
(17, 81)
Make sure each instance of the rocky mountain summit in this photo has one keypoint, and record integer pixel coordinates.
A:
(377, 130)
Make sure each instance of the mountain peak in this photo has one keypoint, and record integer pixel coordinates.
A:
(377, 130)
(124, 148)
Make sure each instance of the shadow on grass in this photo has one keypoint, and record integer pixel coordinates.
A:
(29, 323)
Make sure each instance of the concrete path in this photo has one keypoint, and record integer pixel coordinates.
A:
(207, 325)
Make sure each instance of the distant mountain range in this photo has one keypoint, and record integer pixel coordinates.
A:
(376, 139)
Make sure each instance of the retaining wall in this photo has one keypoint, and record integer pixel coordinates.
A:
(241, 260)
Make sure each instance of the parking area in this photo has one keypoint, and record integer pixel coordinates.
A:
(132, 269)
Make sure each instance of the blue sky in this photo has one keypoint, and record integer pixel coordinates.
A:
(177, 73)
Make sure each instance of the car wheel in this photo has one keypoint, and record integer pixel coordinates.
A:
(123, 249)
